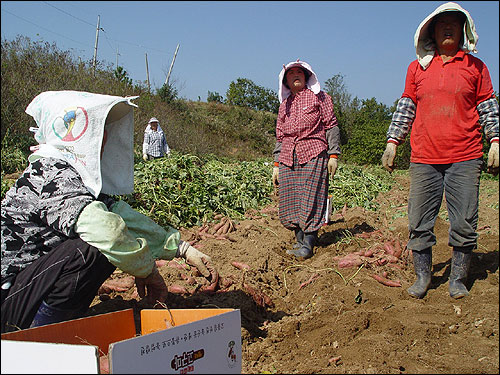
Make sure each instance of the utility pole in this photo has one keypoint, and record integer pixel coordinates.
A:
(96, 40)
(147, 72)
(171, 65)
(117, 54)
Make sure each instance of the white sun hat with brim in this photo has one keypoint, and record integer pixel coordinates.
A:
(423, 41)
(148, 127)
(312, 82)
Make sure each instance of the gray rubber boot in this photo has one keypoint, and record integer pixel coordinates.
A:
(48, 314)
(422, 263)
(460, 263)
(299, 235)
(306, 250)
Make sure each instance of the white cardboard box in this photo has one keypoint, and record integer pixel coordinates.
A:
(175, 341)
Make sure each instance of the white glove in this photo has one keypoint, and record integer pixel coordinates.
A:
(493, 159)
(389, 155)
(276, 174)
(145, 157)
(332, 166)
(194, 257)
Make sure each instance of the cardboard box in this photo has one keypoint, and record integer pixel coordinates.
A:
(175, 341)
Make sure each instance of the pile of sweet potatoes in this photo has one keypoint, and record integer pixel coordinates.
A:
(383, 252)
(218, 230)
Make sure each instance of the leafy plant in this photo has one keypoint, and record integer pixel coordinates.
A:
(245, 93)
(186, 190)
(214, 97)
(167, 93)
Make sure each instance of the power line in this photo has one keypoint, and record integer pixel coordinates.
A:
(118, 41)
(43, 28)
(69, 14)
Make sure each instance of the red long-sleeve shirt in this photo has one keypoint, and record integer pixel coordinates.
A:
(301, 125)
(446, 127)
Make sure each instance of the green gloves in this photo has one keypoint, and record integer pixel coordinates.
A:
(130, 240)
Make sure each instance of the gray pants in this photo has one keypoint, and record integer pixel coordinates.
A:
(460, 183)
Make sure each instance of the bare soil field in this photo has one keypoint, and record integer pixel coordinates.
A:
(321, 316)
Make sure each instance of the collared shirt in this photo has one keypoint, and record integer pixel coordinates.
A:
(155, 144)
(446, 127)
(301, 125)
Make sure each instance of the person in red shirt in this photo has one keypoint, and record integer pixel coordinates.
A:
(307, 148)
(448, 103)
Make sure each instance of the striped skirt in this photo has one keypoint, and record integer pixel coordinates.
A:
(303, 191)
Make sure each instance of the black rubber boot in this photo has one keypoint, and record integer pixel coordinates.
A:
(460, 263)
(422, 263)
(306, 250)
(48, 314)
(299, 235)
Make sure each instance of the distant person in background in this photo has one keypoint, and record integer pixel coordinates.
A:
(447, 102)
(155, 144)
(307, 148)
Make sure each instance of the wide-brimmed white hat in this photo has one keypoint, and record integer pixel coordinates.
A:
(153, 119)
(423, 41)
(312, 82)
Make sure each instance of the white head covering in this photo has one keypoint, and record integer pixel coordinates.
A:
(312, 83)
(148, 128)
(71, 127)
(424, 44)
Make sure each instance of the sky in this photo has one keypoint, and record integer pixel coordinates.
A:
(368, 43)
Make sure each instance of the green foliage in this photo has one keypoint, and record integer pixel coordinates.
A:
(358, 186)
(336, 88)
(367, 139)
(122, 75)
(245, 93)
(214, 97)
(167, 93)
(185, 190)
(6, 184)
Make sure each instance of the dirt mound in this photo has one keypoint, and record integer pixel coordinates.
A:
(313, 316)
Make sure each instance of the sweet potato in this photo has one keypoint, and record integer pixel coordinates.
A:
(117, 285)
(241, 266)
(381, 261)
(368, 253)
(385, 281)
(259, 297)
(311, 279)
(225, 228)
(189, 279)
(349, 260)
(397, 248)
(227, 281)
(216, 227)
(392, 258)
(225, 237)
(334, 360)
(177, 289)
(179, 266)
(388, 248)
(213, 279)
